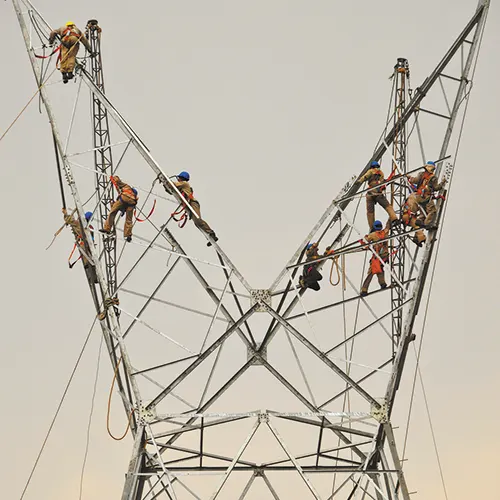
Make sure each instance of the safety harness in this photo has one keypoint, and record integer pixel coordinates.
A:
(127, 192)
(377, 178)
(81, 243)
(182, 214)
(422, 187)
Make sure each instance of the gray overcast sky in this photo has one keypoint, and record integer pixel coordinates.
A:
(271, 105)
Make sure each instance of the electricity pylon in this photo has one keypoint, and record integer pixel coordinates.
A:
(236, 392)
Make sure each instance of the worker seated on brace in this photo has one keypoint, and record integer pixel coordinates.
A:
(78, 233)
(374, 176)
(70, 37)
(380, 250)
(426, 185)
(187, 193)
(125, 203)
(410, 217)
(311, 277)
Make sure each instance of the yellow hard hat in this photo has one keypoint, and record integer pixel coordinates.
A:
(70, 23)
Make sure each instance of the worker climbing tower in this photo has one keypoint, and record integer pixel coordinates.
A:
(233, 392)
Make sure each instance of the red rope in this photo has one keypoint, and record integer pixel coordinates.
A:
(57, 49)
(183, 216)
(149, 215)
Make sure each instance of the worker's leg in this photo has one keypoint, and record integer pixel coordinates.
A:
(198, 221)
(370, 210)
(68, 55)
(366, 283)
(381, 280)
(110, 221)
(431, 213)
(129, 214)
(382, 201)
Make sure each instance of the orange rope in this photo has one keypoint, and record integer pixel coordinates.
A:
(109, 408)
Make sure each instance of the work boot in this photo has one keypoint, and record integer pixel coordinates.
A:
(431, 226)
(65, 77)
(383, 286)
(302, 283)
(419, 223)
(128, 239)
(418, 243)
(395, 223)
(105, 231)
(363, 293)
(70, 75)
(214, 237)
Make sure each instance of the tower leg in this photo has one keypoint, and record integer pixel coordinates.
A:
(132, 480)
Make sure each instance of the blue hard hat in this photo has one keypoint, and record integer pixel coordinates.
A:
(374, 164)
(184, 175)
(309, 245)
(377, 225)
(88, 216)
(431, 163)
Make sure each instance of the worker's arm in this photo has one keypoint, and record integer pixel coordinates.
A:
(437, 186)
(53, 35)
(365, 177)
(387, 227)
(415, 179)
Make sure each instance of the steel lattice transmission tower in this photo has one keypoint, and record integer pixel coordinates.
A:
(235, 392)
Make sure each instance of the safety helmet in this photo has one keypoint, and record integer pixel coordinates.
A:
(88, 216)
(184, 175)
(309, 245)
(374, 164)
(70, 23)
(430, 166)
(377, 225)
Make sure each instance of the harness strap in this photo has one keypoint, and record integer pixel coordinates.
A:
(148, 216)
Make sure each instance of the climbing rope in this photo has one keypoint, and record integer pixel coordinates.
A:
(91, 413)
(109, 408)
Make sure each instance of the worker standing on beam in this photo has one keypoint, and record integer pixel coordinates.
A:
(125, 203)
(381, 250)
(427, 184)
(187, 193)
(374, 176)
(70, 37)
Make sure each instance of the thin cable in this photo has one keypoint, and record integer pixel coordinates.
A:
(59, 406)
(87, 443)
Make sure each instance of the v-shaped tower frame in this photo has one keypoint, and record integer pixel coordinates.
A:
(201, 358)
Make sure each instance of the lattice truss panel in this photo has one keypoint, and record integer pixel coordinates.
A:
(241, 393)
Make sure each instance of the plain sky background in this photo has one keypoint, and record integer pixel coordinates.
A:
(272, 105)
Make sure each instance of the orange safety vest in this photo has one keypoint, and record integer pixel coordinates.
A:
(382, 248)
